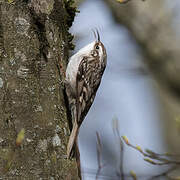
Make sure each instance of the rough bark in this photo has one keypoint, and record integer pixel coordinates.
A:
(34, 44)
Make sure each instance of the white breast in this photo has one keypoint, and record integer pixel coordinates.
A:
(74, 61)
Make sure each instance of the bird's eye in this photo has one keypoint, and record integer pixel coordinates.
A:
(97, 47)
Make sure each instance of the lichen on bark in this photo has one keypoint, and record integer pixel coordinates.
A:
(34, 48)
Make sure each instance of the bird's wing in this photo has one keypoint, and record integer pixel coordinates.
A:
(87, 82)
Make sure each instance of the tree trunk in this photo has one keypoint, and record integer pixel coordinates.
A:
(34, 44)
(151, 24)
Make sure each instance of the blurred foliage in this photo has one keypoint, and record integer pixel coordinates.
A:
(123, 1)
(20, 137)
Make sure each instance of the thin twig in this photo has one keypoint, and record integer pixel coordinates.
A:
(121, 159)
(151, 155)
(99, 151)
(164, 173)
(116, 132)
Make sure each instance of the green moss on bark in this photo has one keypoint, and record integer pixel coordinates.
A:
(71, 11)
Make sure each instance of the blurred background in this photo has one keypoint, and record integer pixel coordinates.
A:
(140, 88)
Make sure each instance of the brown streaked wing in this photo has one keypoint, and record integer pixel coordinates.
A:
(87, 82)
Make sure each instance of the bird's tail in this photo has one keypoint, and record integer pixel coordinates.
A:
(72, 139)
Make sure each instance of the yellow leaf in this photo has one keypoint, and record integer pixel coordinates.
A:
(139, 149)
(149, 161)
(20, 137)
(126, 140)
(10, 1)
(122, 1)
(133, 174)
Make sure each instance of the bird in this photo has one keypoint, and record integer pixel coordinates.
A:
(83, 77)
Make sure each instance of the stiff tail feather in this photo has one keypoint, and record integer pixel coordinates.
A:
(72, 139)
